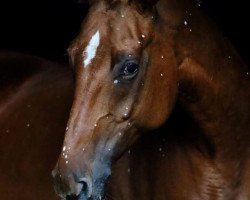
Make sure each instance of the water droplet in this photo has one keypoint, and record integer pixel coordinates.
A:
(129, 170)
(95, 125)
(67, 162)
(247, 73)
(162, 75)
(64, 148)
(28, 125)
(229, 57)
(117, 29)
(109, 149)
(139, 42)
(122, 16)
(162, 57)
(119, 133)
(69, 148)
(129, 152)
(185, 23)
(125, 114)
(143, 36)
(66, 156)
(67, 128)
(83, 149)
(126, 108)
(190, 30)
(116, 81)
(160, 149)
(129, 55)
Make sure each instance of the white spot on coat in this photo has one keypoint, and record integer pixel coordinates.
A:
(90, 51)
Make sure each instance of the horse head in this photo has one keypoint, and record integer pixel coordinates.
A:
(125, 85)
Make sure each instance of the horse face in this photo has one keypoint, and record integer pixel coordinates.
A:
(125, 84)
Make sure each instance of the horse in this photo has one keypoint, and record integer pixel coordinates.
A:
(36, 96)
(161, 107)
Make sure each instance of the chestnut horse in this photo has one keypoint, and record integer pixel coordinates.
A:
(161, 102)
(36, 96)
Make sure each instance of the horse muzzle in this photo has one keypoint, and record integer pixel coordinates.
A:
(71, 186)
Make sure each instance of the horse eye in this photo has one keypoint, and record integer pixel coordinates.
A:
(129, 70)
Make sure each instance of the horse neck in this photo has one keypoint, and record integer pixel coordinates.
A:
(214, 84)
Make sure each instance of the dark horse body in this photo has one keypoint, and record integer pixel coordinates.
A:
(35, 100)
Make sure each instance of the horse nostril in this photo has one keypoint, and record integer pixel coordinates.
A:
(84, 187)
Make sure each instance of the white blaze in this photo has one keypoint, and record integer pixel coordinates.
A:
(90, 50)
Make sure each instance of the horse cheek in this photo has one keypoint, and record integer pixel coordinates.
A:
(158, 94)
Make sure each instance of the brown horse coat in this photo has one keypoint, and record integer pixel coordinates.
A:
(35, 98)
(134, 63)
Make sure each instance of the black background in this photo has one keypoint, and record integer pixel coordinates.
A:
(46, 27)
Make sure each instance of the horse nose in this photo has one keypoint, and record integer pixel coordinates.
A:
(82, 190)
(83, 187)
(72, 187)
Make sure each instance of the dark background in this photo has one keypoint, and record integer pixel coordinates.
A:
(46, 27)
